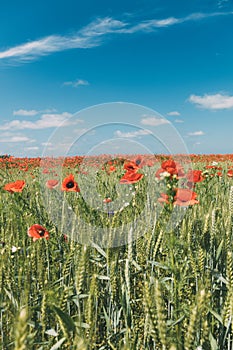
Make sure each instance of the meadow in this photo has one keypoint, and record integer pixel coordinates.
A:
(155, 273)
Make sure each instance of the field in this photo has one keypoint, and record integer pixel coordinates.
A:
(129, 253)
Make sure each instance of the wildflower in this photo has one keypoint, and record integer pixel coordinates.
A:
(65, 238)
(194, 176)
(213, 167)
(51, 184)
(111, 169)
(185, 197)
(16, 186)
(159, 173)
(14, 249)
(168, 164)
(171, 167)
(164, 198)
(131, 167)
(45, 171)
(107, 200)
(165, 174)
(69, 184)
(37, 231)
(131, 177)
(138, 161)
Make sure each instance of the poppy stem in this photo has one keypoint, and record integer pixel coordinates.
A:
(63, 212)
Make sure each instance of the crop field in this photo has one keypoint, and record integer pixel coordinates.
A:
(124, 253)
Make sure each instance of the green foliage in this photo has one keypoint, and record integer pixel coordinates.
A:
(168, 289)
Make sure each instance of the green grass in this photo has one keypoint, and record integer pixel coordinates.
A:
(166, 289)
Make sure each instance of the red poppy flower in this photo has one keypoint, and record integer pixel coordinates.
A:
(16, 186)
(185, 197)
(230, 173)
(107, 200)
(111, 169)
(131, 166)
(210, 167)
(213, 167)
(164, 198)
(172, 171)
(159, 172)
(138, 160)
(51, 183)
(172, 168)
(180, 171)
(141, 161)
(195, 176)
(168, 164)
(69, 184)
(131, 177)
(149, 163)
(37, 231)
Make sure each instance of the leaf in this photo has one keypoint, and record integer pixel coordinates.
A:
(223, 280)
(107, 319)
(82, 325)
(213, 342)
(65, 318)
(171, 323)
(58, 344)
(138, 267)
(51, 332)
(12, 298)
(216, 315)
(99, 249)
(219, 250)
(159, 265)
(100, 277)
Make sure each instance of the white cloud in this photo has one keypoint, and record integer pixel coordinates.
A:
(76, 83)
(87, 37)
(61, 148)
(102, 26)
(166, 22)
(153, 121)
(173, 113)
(151, 25)
(16, 138)
(179, 121)
(35, 148)
(93, 35)
(85, 131)
(26, 113)
(32, 112)
(41, 47)
(46, 121)
(222, 3)
(46, 144)
(132, 134)
(196, 133)
(217, 101)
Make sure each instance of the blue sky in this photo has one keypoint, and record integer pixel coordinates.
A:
(60, 57)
